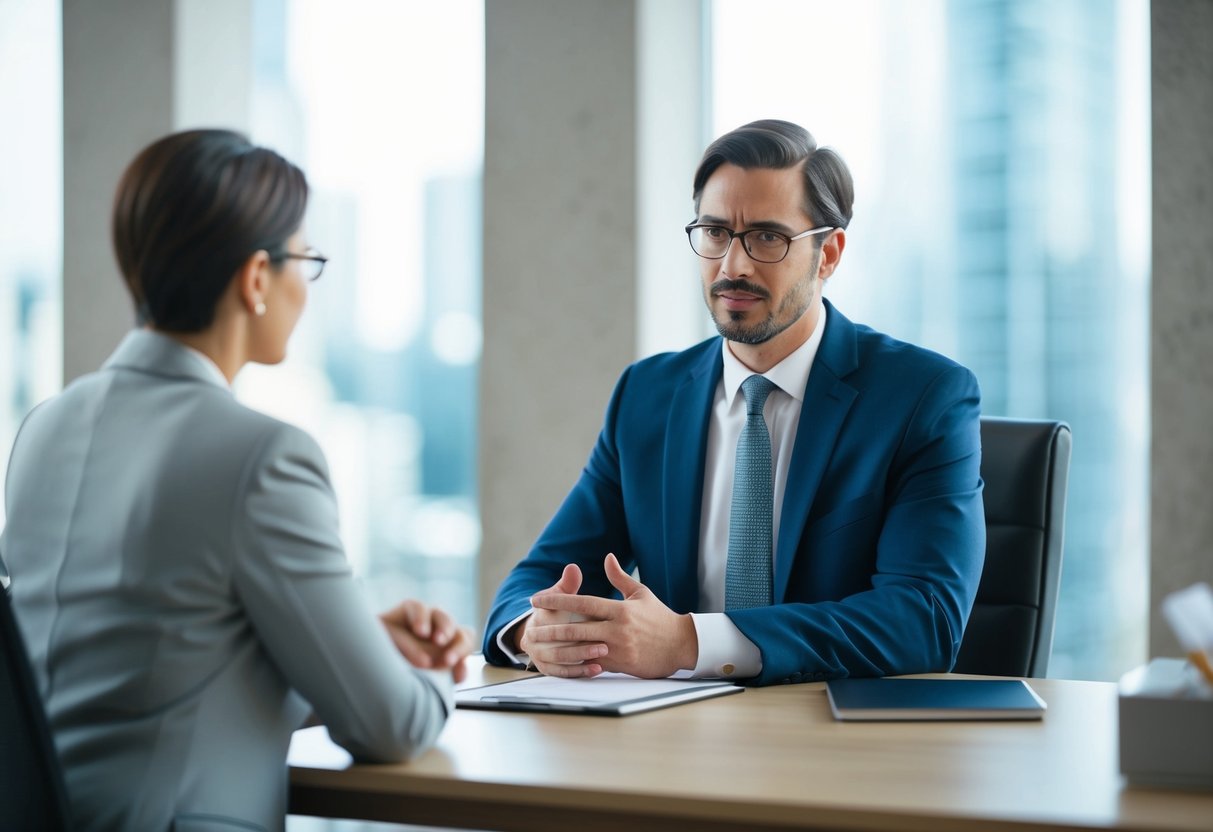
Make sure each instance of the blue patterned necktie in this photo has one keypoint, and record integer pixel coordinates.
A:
(747, 580)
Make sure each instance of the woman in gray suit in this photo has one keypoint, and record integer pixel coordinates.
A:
(175, 562)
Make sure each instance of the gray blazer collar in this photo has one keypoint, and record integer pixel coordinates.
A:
(145, 351)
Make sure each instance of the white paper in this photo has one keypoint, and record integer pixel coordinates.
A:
(607, 690)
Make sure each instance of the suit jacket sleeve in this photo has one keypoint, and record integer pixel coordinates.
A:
(928, 559)
(292, 576)
(589, 524)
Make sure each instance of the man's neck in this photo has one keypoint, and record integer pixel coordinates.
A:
(764, 356)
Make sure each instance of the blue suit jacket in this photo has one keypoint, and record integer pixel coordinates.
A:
(882, 536)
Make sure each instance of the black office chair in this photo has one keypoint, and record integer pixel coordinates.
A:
(32, 794)
(1025, 465)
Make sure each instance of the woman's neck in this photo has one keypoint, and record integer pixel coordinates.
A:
(221, 342)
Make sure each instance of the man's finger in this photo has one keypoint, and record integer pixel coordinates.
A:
(619, 579)
(573, 653)
(570, 580)
(593, 631)
(569, 671)
(590, 606)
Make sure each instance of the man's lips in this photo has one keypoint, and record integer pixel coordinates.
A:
(737, 298)
(739, 302)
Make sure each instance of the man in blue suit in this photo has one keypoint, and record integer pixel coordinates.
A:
(800, 497)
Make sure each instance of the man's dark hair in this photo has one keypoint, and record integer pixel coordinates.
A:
(189, 210)
(771, 143)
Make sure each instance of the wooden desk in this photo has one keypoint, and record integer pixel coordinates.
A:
(770, 758)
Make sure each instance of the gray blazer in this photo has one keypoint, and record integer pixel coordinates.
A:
(182, 590)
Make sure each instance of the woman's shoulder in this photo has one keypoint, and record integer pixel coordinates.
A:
(193, 421)
(261, 433)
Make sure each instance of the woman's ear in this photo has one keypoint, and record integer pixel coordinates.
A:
(253, 279)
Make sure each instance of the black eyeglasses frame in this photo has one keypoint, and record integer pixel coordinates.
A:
(310, 255)
(744, 235)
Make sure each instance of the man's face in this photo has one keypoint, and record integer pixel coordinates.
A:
(752, 302)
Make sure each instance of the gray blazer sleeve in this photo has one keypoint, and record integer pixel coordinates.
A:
(292, 577)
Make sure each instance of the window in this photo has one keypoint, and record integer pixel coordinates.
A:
(31, 210)
(1000, 152)
(381, 103)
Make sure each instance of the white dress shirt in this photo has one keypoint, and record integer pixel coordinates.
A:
(723, 650)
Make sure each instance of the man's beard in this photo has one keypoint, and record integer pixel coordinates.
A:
(789, 311)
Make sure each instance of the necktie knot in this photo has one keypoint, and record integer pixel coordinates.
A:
(756, 388)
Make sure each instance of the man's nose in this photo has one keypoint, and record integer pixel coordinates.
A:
(737, 260)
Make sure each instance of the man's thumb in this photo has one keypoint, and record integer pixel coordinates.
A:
(570, 580)
(619, 579)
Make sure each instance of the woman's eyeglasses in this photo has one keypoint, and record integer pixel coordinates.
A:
(311, 262)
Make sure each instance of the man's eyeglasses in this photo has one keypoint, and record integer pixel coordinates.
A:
(763, 245)
(311, 262)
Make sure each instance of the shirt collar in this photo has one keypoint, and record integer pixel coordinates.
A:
(208, 365)
(154, 352)
(790, 375)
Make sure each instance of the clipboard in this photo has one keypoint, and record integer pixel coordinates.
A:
(608, 694)
(874, 700)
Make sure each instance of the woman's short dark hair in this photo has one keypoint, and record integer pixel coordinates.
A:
(190, 209)
(771, 143)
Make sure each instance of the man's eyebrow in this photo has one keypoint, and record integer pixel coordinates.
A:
(766, 225)
(772, 225)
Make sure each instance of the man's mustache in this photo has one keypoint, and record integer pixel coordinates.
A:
(739, 286)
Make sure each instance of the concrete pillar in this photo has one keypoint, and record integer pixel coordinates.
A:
(559, 254)
(1181, 340)
(133, 70)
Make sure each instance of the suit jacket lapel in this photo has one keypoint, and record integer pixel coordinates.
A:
(686, 442)
(827, 399)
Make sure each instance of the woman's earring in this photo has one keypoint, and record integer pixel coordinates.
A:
(259, 309)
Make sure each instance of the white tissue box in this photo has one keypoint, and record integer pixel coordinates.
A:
(1166, 726)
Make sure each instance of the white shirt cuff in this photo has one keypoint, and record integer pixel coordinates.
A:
(520, 659)
(724, 651)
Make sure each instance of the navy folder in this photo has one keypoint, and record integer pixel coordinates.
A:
(933, 699)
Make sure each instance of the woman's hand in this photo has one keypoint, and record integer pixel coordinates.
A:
(428, 637)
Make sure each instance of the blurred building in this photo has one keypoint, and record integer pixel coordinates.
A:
(1050, 309)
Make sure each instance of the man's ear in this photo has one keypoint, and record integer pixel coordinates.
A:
(253, 280)
(831, 252)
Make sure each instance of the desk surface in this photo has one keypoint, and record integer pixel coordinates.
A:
(770, 758)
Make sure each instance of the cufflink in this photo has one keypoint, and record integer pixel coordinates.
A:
(727, 669)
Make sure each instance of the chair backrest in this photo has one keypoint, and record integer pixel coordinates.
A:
(1026, 466)
(32, 794)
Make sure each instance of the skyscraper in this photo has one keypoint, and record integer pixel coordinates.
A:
(1046, 305)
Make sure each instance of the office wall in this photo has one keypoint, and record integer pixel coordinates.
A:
(1181, 536)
